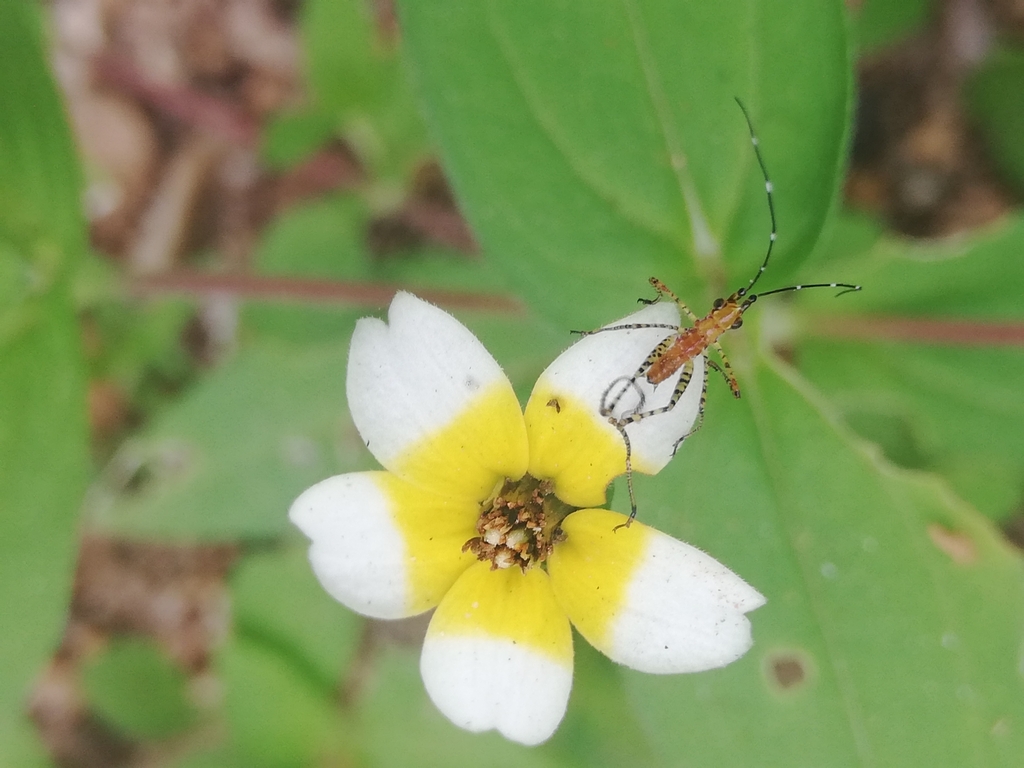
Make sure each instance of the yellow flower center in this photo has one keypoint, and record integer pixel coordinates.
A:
(519, 524)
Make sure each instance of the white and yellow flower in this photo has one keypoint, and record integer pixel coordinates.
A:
(489, 515)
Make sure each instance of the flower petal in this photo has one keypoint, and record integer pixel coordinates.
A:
(572, 444)
(647, 600)
(381, 546)
(431, 403)
(498, 654)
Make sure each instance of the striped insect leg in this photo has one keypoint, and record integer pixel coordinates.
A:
(620, 424)
(726, 370)
(684, 381)
(609, 404)
(629, 475)
(628, 327)
(699, 422)
(664, 290)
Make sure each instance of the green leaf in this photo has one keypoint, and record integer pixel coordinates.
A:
(948, 401)
(321, 240)
(349, 64)
(959, 409)
(605, 134)
(994, 95)
(891, 635)
(959, 278)
(326, 240)
(601, 727)
(276, 718)
(278, 601)
(880, 22)
(357, 79)
(425, 738)
(221, 756)
(39, 176)
(290, 138)
(44, 459)
(134, 686)
(233, 453)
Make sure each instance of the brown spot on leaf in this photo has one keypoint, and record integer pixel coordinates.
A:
(788, 669)
(1013, 530)
(788, 672)
(957, 544)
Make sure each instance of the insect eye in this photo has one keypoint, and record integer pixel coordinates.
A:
(718, 303)
(737, 324)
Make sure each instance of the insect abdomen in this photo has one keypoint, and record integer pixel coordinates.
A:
(686, 347)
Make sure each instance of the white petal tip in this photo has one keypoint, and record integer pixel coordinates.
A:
(355, 549)
(483, 684)
(686, 612)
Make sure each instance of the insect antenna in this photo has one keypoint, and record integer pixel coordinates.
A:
(847, 288)
(768, 191)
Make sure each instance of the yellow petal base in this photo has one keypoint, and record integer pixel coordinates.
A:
(591, 570)
(570, 446)
(505, 604)
(482, 445)
(434, 529)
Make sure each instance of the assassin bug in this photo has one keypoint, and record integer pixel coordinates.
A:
(677, 352)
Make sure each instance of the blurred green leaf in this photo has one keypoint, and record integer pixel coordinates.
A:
(232, 454)
(44, 459)
(290, 138)
(399, 726)
(276, 718)
(600, 728)
(39, 175)
(961, 409)
(322, 240)
(135, 687)
(892, 630)
(955, 399)
(223, 756)
(357, 79)
(880, 22)
(326, 240)
(972, 277)
(278, 601)
(142, 348)
(605, 135)
(996, 97)
(349, 65)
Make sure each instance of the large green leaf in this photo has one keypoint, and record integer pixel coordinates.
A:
(893, 625)
(231, 456)
(604, 135)
(43, 448)
(931, 371)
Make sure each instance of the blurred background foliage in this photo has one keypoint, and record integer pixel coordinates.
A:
(199, 198)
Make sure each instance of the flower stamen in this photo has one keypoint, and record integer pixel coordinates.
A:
(519, 524)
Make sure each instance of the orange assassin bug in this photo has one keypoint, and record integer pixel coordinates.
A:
(679, 350)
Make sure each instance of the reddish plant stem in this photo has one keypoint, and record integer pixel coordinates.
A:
(192, 107)
(968, 333)
(309, 291)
